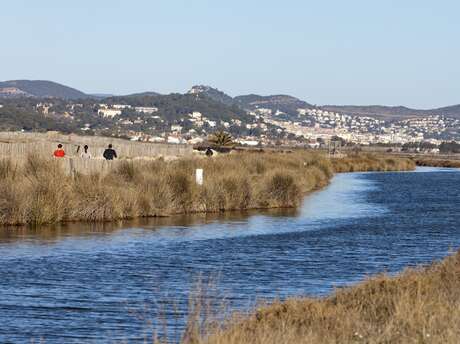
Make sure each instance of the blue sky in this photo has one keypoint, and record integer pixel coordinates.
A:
(388, 52)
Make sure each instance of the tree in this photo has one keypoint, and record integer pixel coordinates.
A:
(221, 138)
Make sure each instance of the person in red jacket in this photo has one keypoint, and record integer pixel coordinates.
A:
(59, 152)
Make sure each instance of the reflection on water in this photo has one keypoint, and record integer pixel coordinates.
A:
(78, 282)
(178, 226)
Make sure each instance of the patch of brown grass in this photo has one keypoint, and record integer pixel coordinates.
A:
(280, 189)
(369, 162)
(420, 305)
(38, 191)
(438, 162)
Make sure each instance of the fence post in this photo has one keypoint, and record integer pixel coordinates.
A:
(199, 176)
(71, 168)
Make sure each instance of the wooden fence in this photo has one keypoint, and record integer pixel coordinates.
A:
(16, 144)
(73, 165)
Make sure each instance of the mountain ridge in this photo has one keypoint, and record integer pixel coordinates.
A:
(39, 89)
(250, 102)
(392, 112)
(212, 93)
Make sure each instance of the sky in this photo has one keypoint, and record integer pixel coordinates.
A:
(386, 52)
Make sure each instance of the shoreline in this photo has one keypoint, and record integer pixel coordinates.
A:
(446, 163)
(41, 193)
(341, 310)
(417, 305)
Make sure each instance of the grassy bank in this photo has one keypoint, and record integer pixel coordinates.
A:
(437, 162)
(40, 192)
(421, 305)
(368, 162)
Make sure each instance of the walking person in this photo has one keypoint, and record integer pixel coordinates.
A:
(59, 152)
(85, 154)
(209, 152)
(110, 153)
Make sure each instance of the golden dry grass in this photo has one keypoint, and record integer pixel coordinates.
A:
(39, 191)
(369, 162)
(438, 162)
(420, 305)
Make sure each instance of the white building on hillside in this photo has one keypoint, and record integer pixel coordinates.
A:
(248, 142)
(212, 124)
(146, 109)
(176, 128)
(196, 115)
(109, 112)
(121, 106)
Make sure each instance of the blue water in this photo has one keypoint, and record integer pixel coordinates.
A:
(106, 282)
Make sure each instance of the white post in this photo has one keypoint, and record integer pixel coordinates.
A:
(199, 176)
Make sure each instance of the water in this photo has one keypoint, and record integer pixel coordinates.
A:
(103, 283)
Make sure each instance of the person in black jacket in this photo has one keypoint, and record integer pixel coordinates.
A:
(110, 153)
(209, 152)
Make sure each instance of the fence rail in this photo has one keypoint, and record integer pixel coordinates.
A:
(14, 144)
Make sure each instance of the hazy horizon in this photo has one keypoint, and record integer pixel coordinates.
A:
(336, 53)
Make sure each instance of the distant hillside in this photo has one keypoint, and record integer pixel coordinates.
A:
(212, 93)
(392, 112)
(101, 95)
(38, 88)
(284, 103)
(383, 112)
(143, 94)
(211, 99)
(176, 106)
(452, 111)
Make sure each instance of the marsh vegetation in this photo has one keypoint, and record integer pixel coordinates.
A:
(39, 191)
(420, 305)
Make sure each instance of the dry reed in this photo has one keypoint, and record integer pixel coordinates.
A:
(420, 305)
(438, 163)
(39, 191)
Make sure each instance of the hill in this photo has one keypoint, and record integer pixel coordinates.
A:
(392, 112)
(141, 94)
(283, 103)
(213, 100)
(39, 89)
(212, 93)
(176, 106)
(452, 111)
(277, 103)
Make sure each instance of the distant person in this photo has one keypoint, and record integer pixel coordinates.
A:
(109, 153)
(85, 154)
(209, 152)
(59, 152)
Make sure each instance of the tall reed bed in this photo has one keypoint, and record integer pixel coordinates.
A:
(421, 305)
(39, 191)
(369, 162)
(438, 163)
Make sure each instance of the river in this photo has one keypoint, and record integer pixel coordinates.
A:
(108, 282)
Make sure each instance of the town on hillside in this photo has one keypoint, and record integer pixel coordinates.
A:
(191, 117)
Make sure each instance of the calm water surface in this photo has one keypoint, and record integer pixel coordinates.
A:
(102, 283)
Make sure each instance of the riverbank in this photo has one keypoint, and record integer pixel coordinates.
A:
(420, 305)
(438, 163)
(40, 192)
